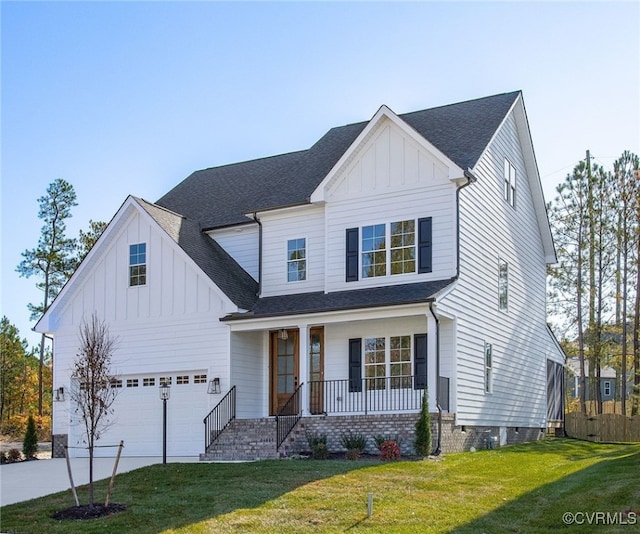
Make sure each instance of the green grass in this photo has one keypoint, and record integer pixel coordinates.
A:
(524, 488)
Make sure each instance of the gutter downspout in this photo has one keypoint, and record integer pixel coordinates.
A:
(255, 218)
(470, 179)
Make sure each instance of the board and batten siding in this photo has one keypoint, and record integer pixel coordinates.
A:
(242, 244)
(278, 228)
(167, 327)
(391, 178)
(492, 230)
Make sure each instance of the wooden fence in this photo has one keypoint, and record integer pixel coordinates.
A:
(603, 428)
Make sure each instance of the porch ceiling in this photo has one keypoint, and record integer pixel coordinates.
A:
(319, 302)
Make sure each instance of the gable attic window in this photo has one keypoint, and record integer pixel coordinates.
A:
(296, 260)
(509, 182)
(138, 264)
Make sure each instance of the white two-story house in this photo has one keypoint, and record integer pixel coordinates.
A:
(327, 290)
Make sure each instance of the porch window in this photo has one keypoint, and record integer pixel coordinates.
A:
(138, 264)
(392, 359)
(296, 260)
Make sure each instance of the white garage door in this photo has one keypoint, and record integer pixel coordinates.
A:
(138, 417)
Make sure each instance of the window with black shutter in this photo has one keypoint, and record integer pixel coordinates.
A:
(355, 365)
(424, 245)
(352, 255)
(420, 360)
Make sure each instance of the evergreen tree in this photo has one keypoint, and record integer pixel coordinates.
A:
(422, 443)
(52, 260)
(30, 443)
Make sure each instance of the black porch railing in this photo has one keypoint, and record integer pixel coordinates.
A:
(219, 418)
(288, 416)
(380, 394)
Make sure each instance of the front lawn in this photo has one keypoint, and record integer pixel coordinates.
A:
(525, 488)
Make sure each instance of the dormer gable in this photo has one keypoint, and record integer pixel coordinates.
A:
(387, 155)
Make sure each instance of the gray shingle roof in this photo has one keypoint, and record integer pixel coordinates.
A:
(223, 270)
(220, 196)
(316, 302)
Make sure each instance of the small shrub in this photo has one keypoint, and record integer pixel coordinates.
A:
(318, 445)
(3, 457)
(30, 443)
(389, 450)
(14, 455)
(355, 444)
(422, 443)
(380, 439)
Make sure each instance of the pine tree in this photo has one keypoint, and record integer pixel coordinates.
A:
(30, 443)
(422, 443)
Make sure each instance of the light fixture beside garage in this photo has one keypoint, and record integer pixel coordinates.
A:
(59, 397)
(214, 386)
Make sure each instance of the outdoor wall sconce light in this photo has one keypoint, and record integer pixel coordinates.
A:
(59, 396)
(283, 334)
(214, 386)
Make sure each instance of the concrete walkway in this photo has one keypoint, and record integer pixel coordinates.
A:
(23, 481)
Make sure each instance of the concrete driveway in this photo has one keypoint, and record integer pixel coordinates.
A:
(23, 481)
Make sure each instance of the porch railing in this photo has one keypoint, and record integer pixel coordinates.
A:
(380, 394)
(288, 416)
(219, 418)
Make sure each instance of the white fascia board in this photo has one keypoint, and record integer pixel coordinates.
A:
(319, 195)
(323, 318)
(43, 325)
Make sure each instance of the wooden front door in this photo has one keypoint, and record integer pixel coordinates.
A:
(284, 368)
(316, 370)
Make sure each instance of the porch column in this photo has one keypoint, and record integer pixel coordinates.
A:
(432, 379)
(303, 352)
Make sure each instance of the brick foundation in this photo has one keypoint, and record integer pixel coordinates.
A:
(58, 443)
(454, 438)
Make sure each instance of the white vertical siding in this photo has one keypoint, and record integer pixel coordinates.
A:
(241, 243)
(491, 229)
(168, 327)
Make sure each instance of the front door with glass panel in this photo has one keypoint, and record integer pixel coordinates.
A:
(316, 370)
(284, 367)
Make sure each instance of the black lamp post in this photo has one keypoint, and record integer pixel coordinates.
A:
(164, 395)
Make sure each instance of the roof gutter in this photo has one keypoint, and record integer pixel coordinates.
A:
(255, 218)
(470, 180)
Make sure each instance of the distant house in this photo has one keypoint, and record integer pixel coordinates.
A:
(326, 290)
(608, 381)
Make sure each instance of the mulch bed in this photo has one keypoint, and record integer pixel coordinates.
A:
(89, 512)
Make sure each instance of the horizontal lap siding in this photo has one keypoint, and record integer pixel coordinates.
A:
(249, 374)
(306, 223)
(491, 230)
(242, 244)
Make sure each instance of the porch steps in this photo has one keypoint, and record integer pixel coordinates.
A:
(244, 440)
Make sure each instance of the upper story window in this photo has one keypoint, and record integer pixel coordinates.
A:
(138, 264)
(503, 285)
(394, 248)
(509, 182)
(296, 260)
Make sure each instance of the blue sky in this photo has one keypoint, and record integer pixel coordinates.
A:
(124, 98)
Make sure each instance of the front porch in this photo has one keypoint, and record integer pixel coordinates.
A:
(386, 406)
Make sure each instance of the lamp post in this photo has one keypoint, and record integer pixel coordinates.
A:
(164, 395)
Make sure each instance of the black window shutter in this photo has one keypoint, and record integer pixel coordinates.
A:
(420, 361)
(355, 365)
(352, 254)
(424, 245)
